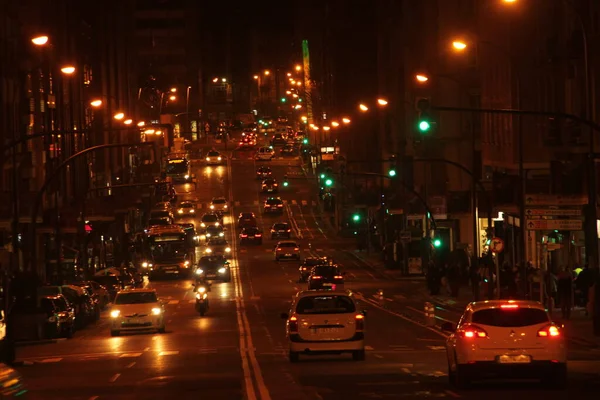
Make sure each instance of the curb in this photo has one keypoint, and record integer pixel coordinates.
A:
(38, 342)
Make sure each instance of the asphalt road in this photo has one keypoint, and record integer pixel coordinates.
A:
(238, 349)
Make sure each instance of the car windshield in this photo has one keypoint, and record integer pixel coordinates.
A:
(214, 230)
(210, 218)
(211, 260)
(160, 214)
(287, 244)
(250, 231)
(510, 317)
(273, 201)
(325, 305)
(247, 216)
(280, 226)
(136, 298)
(269, 181)
(213, 154)
(186, 204)
(219, 201)
(217, 242)
(158, 221)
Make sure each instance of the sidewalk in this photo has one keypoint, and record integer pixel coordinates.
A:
(578, 328)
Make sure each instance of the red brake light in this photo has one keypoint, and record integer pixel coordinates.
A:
(278, 249)
(244, 235)
(315, 277)
(338, 277)
(509, 306)
(360, 322)
(472, 331)
(296, 248)
(289, 230)
(293, 324)
(279, 205)
(258, 235)
(549, 331)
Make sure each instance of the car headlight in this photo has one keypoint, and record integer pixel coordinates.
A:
(144, 265)
(115, 313)
(201, 289)
(187, 177)
(208, 251)
(156, 311)
(221, 234)
(219, 158)
(180, 211)
(216, 224)
(203, 224)
(207, 235)
(199, 271)
(222, 270)
(227, 250)
(207, 158)
(225, 206)
(192, 210)
(186, 263)
(212, 207)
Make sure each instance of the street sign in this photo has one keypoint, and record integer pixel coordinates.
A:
(555, 224)
(555, 200)
(546, 212)
(497, 245)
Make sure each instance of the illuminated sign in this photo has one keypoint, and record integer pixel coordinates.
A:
(177, 161)
(169, 238)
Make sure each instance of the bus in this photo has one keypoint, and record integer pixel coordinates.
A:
(178, 169)
(168, 252)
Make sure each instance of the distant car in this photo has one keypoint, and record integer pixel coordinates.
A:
(213, 231)
(218, 246)
(137, 309)
(210, 219)
(219, 205)
(265, 154)
(278, 139)
(325, 322)
(510, 338)
(288, 150)
(251, 234)
(214, 267)
(307, 266)
(273, 205)
(287, 249)
(186, 208)
(325, 277)
(281, 230)
(213, 157)
(269, 185)
(247, 220)
(263, 173)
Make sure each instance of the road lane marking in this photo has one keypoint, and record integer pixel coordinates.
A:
(168, 353)
(51, 360)
(378, 356)
(423, 312)
(130, 355)
(114, 378)
(131, 364)
(405, 370)
(369, 348)
(174, 302)
(453, 394)
(437, 348)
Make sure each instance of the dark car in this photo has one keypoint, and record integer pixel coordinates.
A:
(308, 265)
(273, 205)
(281, 230)
(269, 186)
(263, 173)
(288, 150)
(278, 139)
(247, 220)
(111, 283)
(65, 314)
(325, 277)
(214, 231)
(213, 268)
(251, 234)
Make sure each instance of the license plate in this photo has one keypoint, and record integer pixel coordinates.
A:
(171, 272)
(519, 359)
(133, 321)
(327, 284)
(211, 276)
(250, 237)
(326, 330)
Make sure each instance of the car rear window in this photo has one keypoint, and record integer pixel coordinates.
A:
(213, 153)
(325, 305)
(287, 244)
(272, 202)
(509, 318)
(326, 271)
(280, 226)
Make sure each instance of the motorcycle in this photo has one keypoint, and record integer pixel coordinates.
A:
(201, 299)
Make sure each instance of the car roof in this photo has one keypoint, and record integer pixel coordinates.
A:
(314, 293)
(286, 241)
(137, 290)
(490, 304)
(219, 198)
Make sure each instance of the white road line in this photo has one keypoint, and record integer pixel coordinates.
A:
(51, 360)
(130, 355)
(173, 302)
(453, 394)
(378, 356)
(131, 364)
(168, 353)
(369, 348)
(114, 378)
(405, 370)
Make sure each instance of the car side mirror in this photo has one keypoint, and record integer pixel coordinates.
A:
(284, 316)
(447, 327)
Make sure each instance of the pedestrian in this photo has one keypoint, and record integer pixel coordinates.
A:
(565, 291)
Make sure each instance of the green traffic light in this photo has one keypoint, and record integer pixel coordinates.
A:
(286, 183)
(305, 141)
(328, 182)
(392, 172)
(424, 126)
(437, 243)
(356, 217)
(322, 176)
(283, 100)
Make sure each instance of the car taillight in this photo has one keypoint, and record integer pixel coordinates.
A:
(296, 248)
(549, 331)
(293, 324)
(279, 205)
(289, 230)
(258, 235)
(509, 306)
(244, 235)
(278, 249)
(472, 331)
(315, 277)
(360, 322)
(338, 277)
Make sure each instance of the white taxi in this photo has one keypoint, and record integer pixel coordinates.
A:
(287, 249)
(218, 205)
(135, 310)
(511, 338)
(325, 322)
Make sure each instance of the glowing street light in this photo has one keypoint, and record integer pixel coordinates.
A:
(421, 78)
(509, 1)
(346, 120)
(40, 40)
(326, 128)
(363, 108)
(288, 92)
(96, 103)
(224, 80)
(172, 98)
(119, 116)
(459, 45)
(382, 102)
(128, 122)
(68, 70)
(289, 74)
(215, 80)
(298, 83)
(298, 68)
(267, 72)
(255, 77)
(173, 90)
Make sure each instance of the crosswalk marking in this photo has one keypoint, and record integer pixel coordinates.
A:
(436, 348)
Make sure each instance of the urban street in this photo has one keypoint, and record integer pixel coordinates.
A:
(238, 349)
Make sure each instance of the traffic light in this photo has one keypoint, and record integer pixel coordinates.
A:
(305, 141)
(328, 182)
(437, 243)
(356, 217)
(286, 183)
(283, 100)
(322, 176)
(393, 167)
(425, 122)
